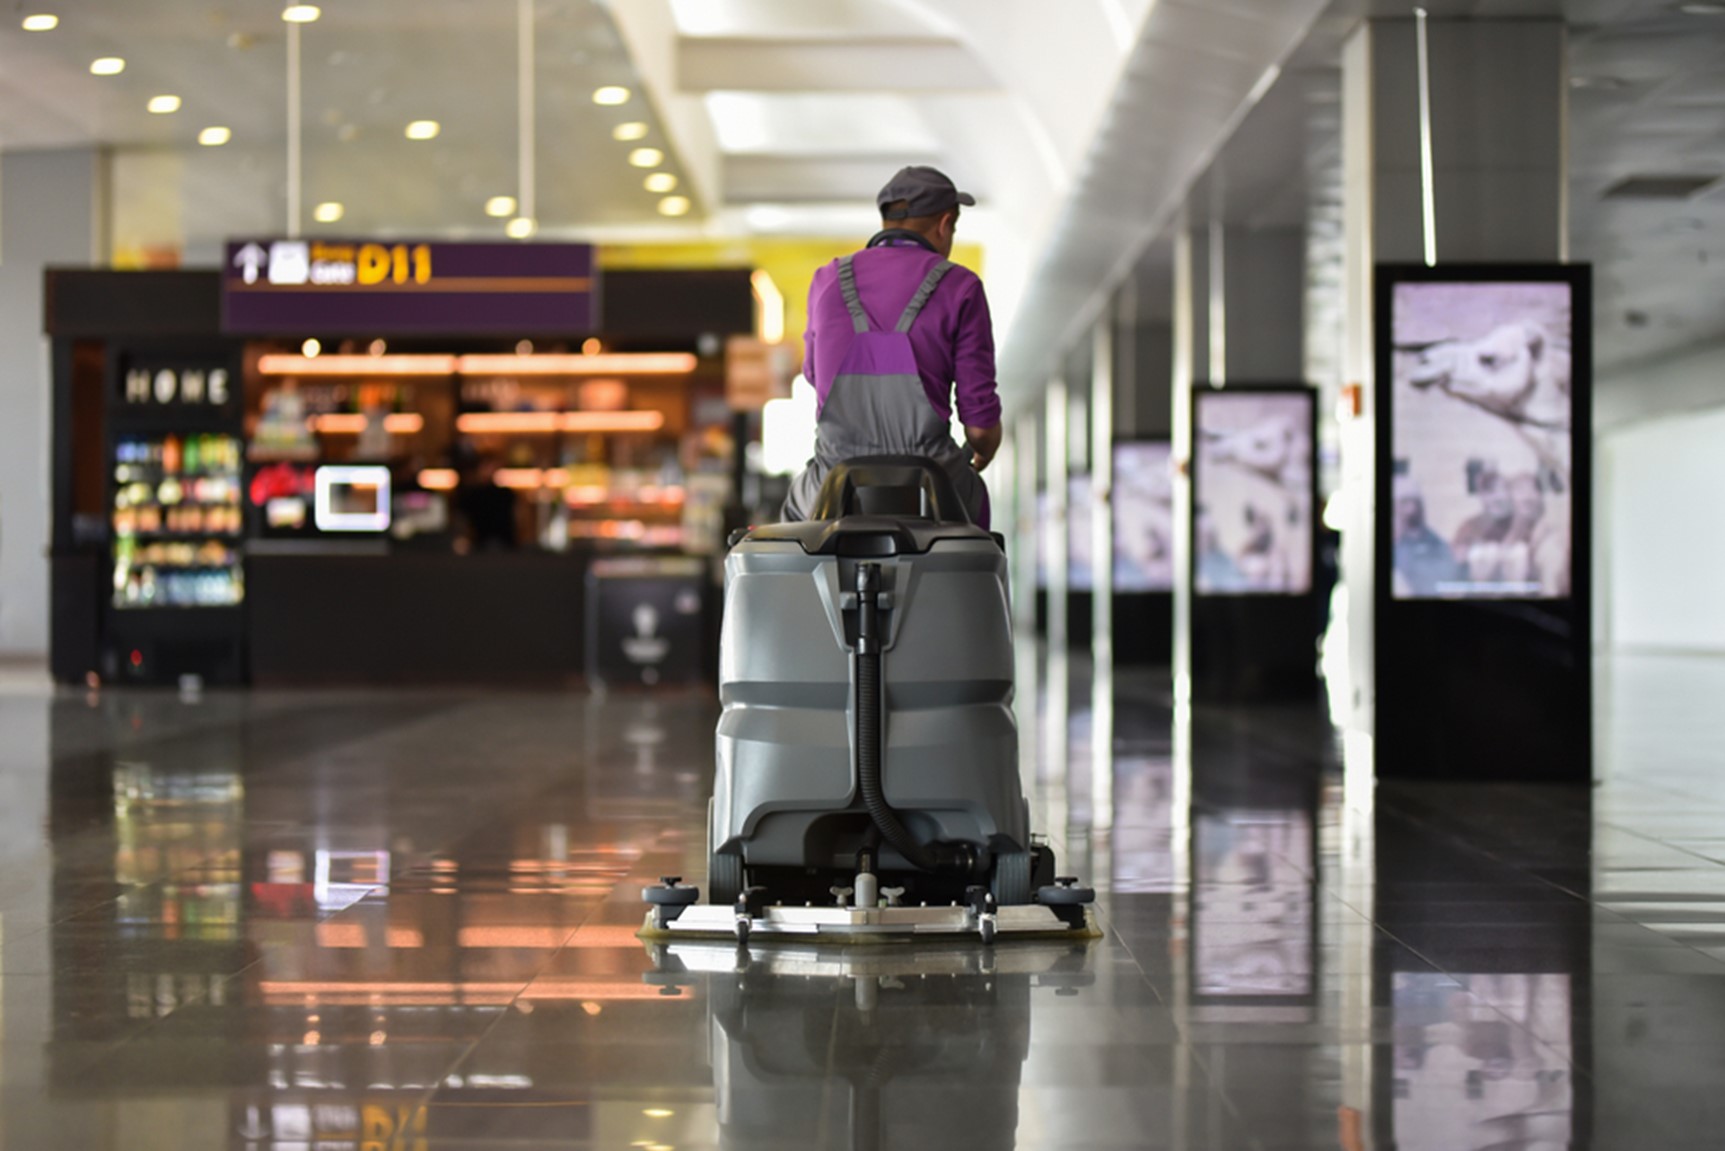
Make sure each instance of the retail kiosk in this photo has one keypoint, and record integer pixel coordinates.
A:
(403, 481)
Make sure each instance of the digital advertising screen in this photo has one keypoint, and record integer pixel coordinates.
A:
(1080, 574)
(1481, 446)
(1252, 492)
(1143, 517)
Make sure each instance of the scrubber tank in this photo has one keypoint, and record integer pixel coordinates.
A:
(787, 794)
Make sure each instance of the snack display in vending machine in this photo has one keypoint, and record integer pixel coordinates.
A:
(177, 521)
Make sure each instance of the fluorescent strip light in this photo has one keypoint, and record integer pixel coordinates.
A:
(439, 479)
(615, 364)
(507, 423)
(637, 421)
(353, 423)
(612, 364)
(517, 479)
(399, 365)
(545, 423)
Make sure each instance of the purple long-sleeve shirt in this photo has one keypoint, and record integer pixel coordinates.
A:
(953, 337)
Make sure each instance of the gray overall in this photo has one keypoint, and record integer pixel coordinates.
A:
(877, 405)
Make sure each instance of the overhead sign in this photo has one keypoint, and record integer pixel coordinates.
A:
(291, 287)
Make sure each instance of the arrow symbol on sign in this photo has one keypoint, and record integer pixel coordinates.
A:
(249, 259)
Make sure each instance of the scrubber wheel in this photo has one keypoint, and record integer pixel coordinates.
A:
(724, 879)
(1010, 882)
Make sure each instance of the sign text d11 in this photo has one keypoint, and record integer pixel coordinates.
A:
(292, 287)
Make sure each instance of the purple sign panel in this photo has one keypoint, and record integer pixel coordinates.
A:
(367, 287)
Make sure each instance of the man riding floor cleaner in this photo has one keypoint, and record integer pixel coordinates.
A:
(867, 758)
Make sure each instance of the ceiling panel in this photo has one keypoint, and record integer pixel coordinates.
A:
(367, 70)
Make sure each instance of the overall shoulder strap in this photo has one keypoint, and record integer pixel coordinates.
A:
(929, 283)
(848, 287)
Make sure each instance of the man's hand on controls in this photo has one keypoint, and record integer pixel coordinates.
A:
(984, 442)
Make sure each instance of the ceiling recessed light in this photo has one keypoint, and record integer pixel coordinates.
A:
(423, 130)
(611, 95)
(107, 66)
(520, 228)
(500, 206)
(41, 22)
(311, 349)
(629, 130)
(328, 212)
(214, 137)
(646, 157)
(162, 105)
(301, 13)
(674, 206)
(661, 182)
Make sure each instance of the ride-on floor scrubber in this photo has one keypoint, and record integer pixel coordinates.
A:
(867, 783)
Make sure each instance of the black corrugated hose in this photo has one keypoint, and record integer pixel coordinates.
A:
(892, 829)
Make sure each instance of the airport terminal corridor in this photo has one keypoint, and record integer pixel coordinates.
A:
(277, 920)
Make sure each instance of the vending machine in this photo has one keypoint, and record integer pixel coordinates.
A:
(175, 462)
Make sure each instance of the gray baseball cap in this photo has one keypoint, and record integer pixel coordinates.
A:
(925, 191)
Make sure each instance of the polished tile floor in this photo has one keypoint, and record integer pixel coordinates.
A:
(405, 921)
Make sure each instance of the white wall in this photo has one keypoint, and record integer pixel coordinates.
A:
(51, 212)
(1664, 501)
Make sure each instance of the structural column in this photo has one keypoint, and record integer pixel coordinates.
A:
(53, 210)
(1497, 192)
(1238, 330)
(1142, 408)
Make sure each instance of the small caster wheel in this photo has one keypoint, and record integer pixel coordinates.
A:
(987, 929)
(742, 931)
(1065, 891)
(671, 893)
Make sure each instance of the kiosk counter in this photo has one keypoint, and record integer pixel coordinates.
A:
(301, 506)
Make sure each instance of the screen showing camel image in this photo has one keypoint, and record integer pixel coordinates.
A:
(1252, 513)
(1480, 440)
(1143, 518)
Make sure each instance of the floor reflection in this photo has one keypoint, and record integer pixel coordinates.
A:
(401, 921)
(885, 1047)
(1483, 1065)
(1254, 931)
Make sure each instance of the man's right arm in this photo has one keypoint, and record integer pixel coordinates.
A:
(973, 377)
(984, 442)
